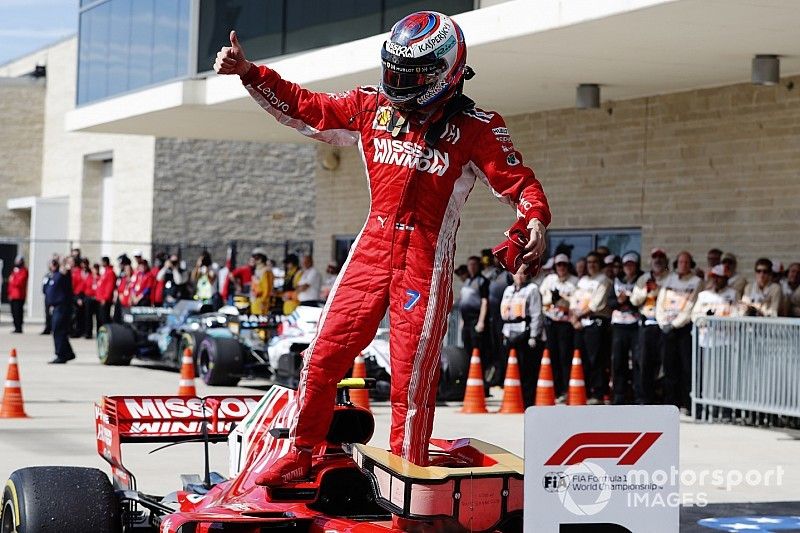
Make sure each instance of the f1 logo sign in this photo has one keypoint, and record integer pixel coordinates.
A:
(628, 447)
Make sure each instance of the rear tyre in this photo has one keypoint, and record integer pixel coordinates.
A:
(455, 369)
(116, 345)
(220, 361)
(54, 499)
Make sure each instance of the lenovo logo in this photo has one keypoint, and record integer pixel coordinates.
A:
(627, 447)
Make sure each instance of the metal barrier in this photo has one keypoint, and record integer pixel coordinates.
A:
(747, 364)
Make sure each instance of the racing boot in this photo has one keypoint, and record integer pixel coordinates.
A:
(293, 466)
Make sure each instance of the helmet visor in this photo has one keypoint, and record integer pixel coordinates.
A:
(405, 78)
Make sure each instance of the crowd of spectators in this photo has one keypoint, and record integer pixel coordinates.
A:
(632, 327)
(81, 296)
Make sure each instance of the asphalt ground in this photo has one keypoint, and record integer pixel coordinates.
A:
(60, 431)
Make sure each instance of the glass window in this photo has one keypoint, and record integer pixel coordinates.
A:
(259, 26)
(128, 44)
(397, 9)
(141, 54)
(314, 24)
(119, 46)
(622, 242)
(341, 248)
(577, 244)
(97, 53)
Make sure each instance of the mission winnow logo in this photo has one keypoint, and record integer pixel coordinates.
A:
(412, 155)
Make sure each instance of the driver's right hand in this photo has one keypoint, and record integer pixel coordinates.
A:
(231, 59)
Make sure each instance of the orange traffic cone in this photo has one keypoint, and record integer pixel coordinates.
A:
(474, 400)
(577, 386)
(360, 397)
(512, 387)
(13, 406)
(545, 393)
(186, 383)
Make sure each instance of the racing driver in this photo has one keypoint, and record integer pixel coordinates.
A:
(424, 144)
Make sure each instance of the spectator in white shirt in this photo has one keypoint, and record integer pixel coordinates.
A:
(673, 313)
(717, 300)
(308, 288)
(790, 285)
(590, 314)
(762, 297)
(521, 311)
(644, 296)
(625, 333)
(556, 291)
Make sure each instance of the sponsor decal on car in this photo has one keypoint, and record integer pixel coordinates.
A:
(412, 155)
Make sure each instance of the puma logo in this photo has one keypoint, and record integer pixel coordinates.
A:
(382, 220)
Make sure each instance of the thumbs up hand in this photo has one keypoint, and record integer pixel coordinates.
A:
(231, 59)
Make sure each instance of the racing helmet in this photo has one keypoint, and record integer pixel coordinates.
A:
(423, 61)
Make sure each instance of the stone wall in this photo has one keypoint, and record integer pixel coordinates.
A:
(21, 130)
(217, 191)
(712, 167)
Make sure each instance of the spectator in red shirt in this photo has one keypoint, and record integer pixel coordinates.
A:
(123, 286)
(243, 275)
(105, 292)
(143, 283)
(18, 291)
(78, 280)
(90, 298)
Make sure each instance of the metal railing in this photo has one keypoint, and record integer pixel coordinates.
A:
(746, 364)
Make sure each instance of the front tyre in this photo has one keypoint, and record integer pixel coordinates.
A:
(57, 499)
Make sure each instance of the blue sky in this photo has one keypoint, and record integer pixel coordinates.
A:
(27, 25)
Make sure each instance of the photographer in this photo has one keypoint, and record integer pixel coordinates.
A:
(171, 277)
(203, 278)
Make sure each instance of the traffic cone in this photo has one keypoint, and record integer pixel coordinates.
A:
(186, 383)
(512, 387)
(13, 406)
(360, 397)
(577, 386)
(474, 399)
(545, 393)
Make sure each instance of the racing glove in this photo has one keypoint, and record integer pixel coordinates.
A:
(511, 251)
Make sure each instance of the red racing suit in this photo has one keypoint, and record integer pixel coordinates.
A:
(403, 257)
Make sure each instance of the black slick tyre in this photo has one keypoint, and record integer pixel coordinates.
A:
(220, 361)
(116, 345)
(59, 499)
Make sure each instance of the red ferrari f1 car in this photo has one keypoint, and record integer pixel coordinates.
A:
(353, 487)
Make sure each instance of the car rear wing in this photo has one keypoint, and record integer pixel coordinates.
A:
(123, 419)
(145, 314)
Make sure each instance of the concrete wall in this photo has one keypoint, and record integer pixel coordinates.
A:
(65, 170)
(217, 191)
(21, 130)
(712, 167)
